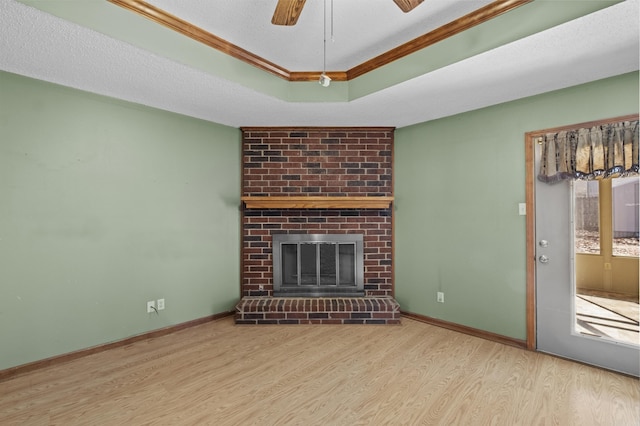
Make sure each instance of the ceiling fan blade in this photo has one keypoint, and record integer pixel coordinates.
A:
(407, 5)
(287, 12)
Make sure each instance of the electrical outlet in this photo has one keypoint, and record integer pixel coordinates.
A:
(440, 297)
(151, 305)
(160, 304)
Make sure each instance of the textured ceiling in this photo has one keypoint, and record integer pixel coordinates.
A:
(595, 46)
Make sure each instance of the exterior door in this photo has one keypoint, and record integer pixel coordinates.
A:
(555, 285)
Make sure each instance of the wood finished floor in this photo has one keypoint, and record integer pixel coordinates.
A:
(222, 374)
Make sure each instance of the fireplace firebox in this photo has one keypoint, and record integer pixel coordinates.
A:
(318, 265)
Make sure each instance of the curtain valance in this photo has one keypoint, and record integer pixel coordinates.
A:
(599, 152)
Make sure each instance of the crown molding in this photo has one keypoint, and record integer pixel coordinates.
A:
(464, 23)
(183, 27)
(457, 26)
(315, 75)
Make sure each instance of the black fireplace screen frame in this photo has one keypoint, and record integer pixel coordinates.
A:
(319, 288)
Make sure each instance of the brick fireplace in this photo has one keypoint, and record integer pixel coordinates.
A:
(317, 181)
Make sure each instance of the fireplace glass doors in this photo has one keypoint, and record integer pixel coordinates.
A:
(318, 265)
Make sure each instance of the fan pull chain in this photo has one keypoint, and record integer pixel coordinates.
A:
(324, 38)
(332, 38)
(325, 80)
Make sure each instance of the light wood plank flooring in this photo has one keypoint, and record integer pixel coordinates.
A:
(222, 374)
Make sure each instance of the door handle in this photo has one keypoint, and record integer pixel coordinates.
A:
(543, 259)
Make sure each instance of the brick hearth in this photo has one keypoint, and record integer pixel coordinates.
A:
(335, 162)
(289, 310)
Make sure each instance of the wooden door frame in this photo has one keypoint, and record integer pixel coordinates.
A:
(530, 139)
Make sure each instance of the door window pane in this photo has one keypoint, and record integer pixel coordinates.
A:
(289, 264)
(347, 264)
(587, 218)
(327, 264)
(308, 264)
(625, 207)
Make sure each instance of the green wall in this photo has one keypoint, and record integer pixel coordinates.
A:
(458, 182)
(104, 205)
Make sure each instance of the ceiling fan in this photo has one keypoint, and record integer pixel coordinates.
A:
(288, 11)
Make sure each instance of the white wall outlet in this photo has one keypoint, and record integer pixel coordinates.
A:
(440, 297)
(151, 305)
(160, 304)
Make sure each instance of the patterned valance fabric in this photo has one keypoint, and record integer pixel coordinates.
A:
(599, 152)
